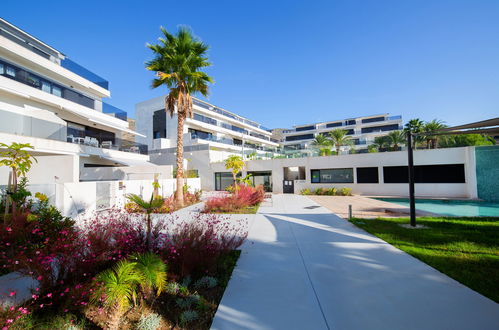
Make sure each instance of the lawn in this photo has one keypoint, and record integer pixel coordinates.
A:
(466, 249)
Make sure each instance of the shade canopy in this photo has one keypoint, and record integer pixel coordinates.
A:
(489, 126)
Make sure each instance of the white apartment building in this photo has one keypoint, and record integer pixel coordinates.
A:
(57, 106)
(211, 127)
(362, 131)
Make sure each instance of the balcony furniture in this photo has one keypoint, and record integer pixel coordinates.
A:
(87, 140)
(70, 138)
(134, 149)
(78, 140)
(94, 142)
(106, 144)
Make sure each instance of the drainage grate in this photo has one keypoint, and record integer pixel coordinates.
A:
(311, 207)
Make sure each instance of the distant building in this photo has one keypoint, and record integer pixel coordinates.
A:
(362, 131)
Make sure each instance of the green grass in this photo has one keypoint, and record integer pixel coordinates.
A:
(466, 249)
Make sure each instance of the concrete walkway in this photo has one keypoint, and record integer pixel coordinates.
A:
(305, 268)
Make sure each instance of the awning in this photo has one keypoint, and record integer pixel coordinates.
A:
(489, 126)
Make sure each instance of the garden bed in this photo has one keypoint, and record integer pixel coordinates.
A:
(466, 249)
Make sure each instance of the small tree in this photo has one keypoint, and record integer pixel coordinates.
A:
(235, 164)
(431, 126)
(148, 208)
(396, 138)
(19, 161)
(322, 142)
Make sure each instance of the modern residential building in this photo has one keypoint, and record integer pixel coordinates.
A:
(57, 106)
(211, 135)
(362, 130)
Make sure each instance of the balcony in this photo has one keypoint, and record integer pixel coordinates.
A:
(87, 74)
(230, 142)
(110, 143)
(113, 111)
(228, 114)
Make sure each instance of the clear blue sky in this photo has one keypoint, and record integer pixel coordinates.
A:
(285, 63)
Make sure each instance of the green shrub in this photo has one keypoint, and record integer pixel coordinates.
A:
(306, 191)
(188, 316)
(332, 191)
(346, 191)
(320, 191)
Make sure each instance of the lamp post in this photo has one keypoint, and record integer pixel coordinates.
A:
(410, 158)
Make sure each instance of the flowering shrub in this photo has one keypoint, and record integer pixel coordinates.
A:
(243, 197)
(194, 247)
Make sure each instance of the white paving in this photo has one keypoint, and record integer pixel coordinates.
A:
(306, 268)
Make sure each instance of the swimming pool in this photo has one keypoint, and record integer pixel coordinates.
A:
(449, 207)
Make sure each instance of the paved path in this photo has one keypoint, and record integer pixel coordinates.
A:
(305, 268)
(364, 207)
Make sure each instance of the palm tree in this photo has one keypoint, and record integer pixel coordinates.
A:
(395, 139)
(338, 138)
(178, 60)
(235, 164)
(322, 142)
(153, 271)
(415, 125)
(431, 126)
(118, 286)
(148, 208)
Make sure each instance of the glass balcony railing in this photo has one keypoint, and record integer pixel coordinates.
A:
(231, 142)
(110, 143)
(114, 111)
(85, 73)
(228, 114)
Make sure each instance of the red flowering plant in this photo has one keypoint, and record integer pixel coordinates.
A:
(242, 198)
(194, 246)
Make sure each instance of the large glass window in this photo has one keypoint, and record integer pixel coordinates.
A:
(447, 173)
(38, 82)
(367, 175)
(299, 137)
(223, 180)
(332, 175)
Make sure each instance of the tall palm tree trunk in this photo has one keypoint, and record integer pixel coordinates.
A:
(179, 194)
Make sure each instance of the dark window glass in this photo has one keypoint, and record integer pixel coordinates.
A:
(36, 81)
(351, 122)
(367, 175)
(237, 142)
(197, 134)
(383, 128)
(372, 120)
(350, 132)
(448, 173)
(223, 180)
(300, 137)
(305, 128)
(333, 175)
(159, 124)
(334, 124)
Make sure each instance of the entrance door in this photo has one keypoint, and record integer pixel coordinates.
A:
(288, 187)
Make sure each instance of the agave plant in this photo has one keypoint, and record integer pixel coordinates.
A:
(118, 286)
(148, 208)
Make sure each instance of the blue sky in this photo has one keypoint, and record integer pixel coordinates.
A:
(285, 63)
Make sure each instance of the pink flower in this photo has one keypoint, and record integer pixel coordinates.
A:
(39, 278)
(8, 229)
(10, 321)
(49, 295)
(12, 293)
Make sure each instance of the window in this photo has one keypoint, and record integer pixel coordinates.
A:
(10, 71)
(159, 124)
(350, 122)
(367, 175)
(448, 173)
(305, 128)
(56, 91)
(2, 68)
(223, 180)
(300, 137)
(34, 80)
(383, 128)
(46, 86)
(334, 175)
(372, 120)
(334, 124)
(197, 134)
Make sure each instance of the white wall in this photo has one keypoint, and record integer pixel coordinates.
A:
(125, 173)
(421, 157)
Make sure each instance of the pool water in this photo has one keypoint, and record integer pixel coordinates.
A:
(460, 208)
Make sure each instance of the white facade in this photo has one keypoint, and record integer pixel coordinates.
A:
(55, 105)
(211, 128)
(362, 130)
(277, 168)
